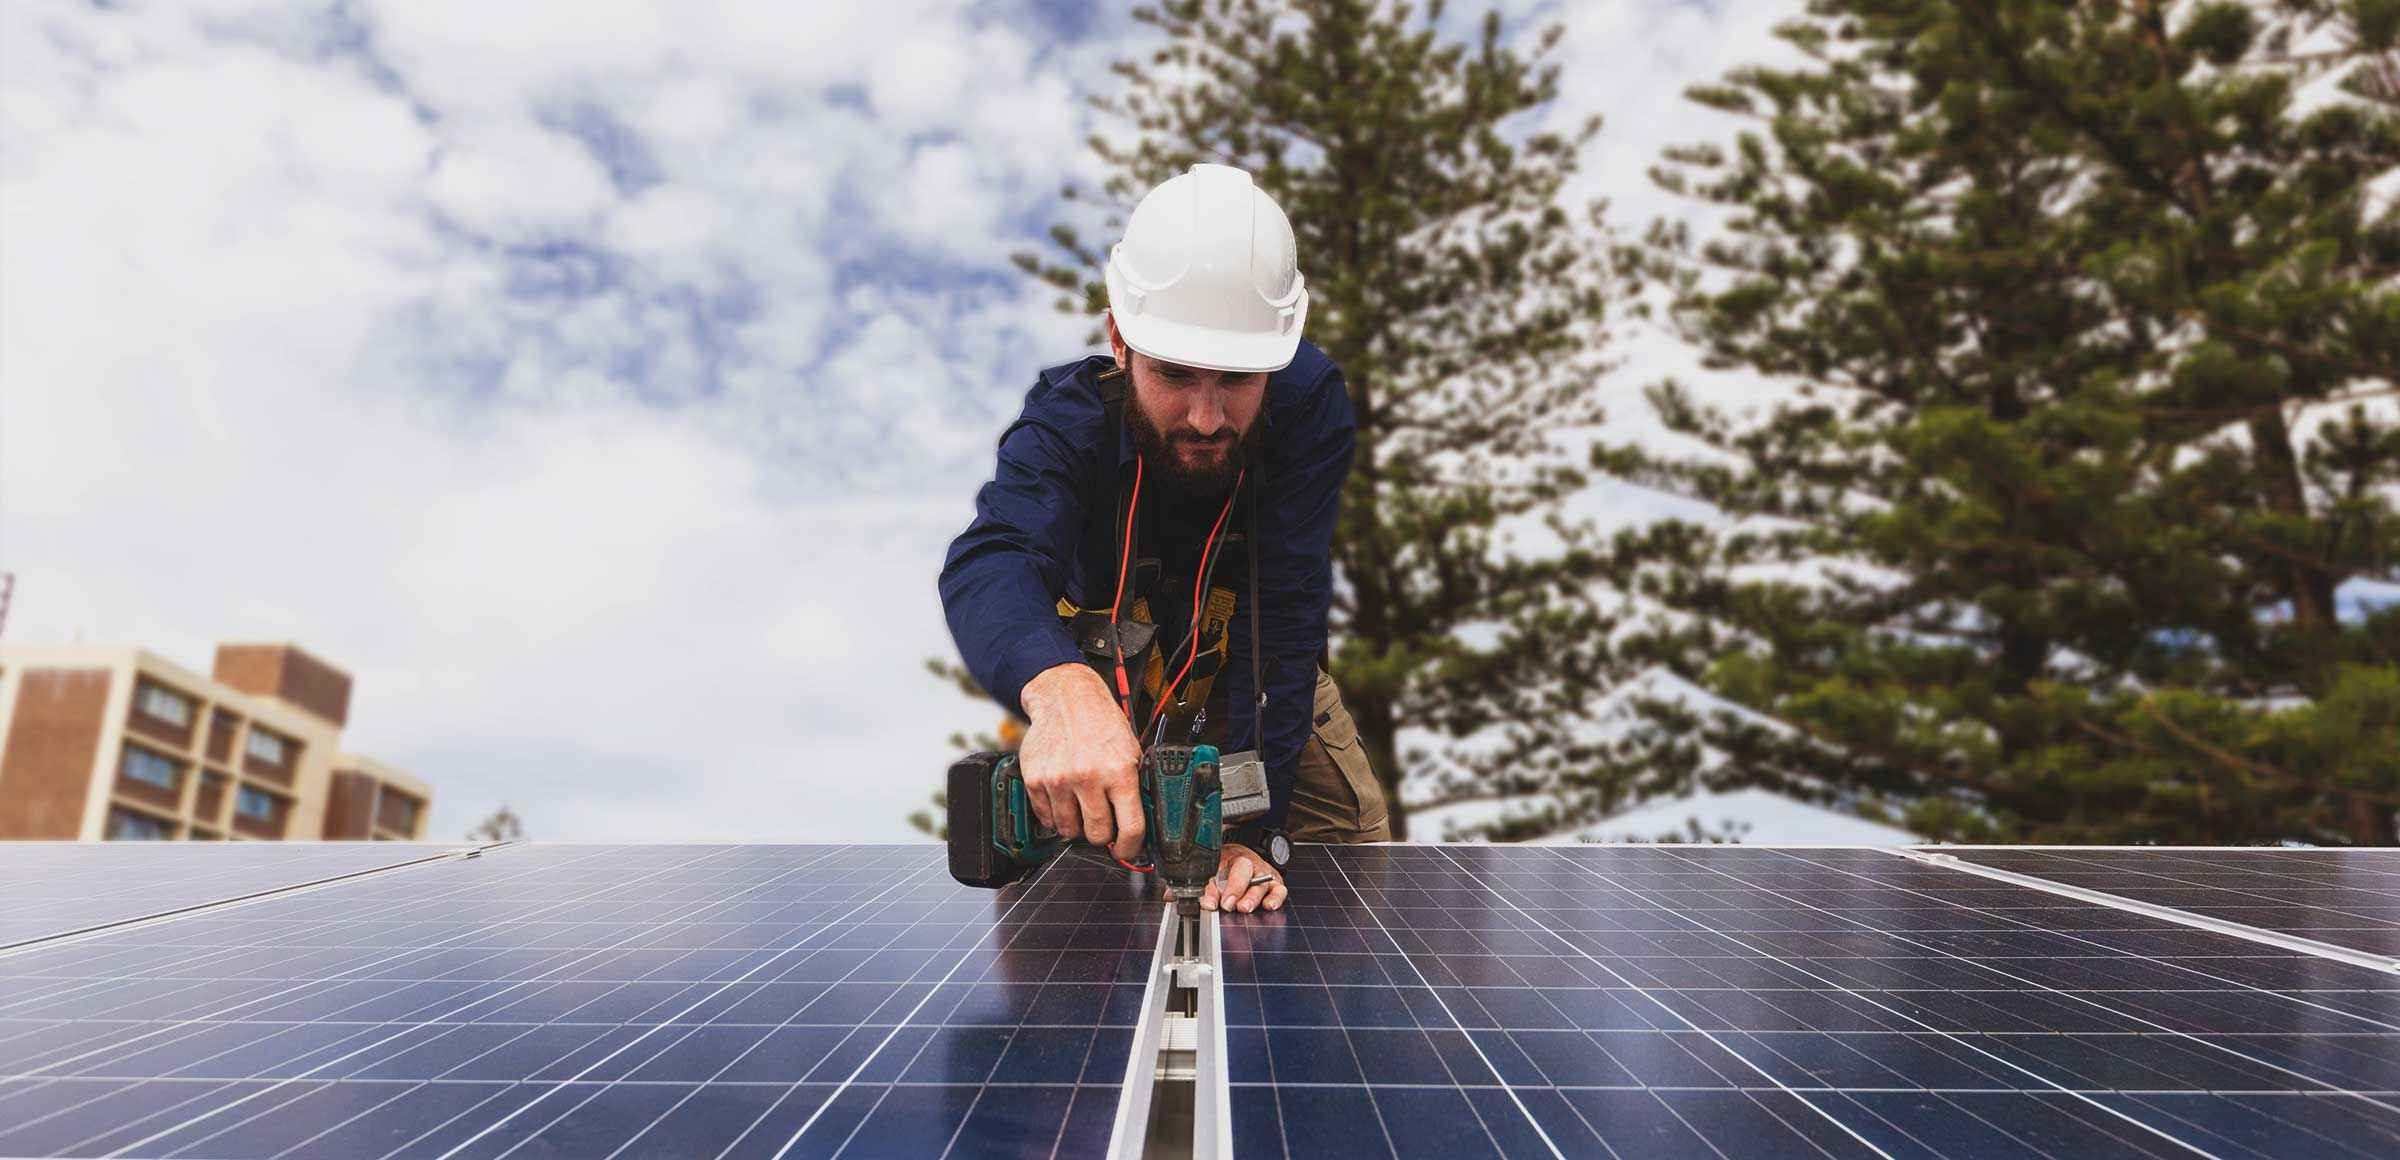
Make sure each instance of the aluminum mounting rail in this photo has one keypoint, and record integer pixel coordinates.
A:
(1175, 1103)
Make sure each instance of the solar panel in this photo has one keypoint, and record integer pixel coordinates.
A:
(1462, 1001)
(1415, 1001)
(711, 1000)
(48, 889)
(2349, 898)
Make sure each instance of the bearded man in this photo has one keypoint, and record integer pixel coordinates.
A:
(1152, 559)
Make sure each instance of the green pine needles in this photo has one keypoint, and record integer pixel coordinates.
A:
(2089, 319)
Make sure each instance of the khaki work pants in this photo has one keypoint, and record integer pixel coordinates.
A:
(1337, 798)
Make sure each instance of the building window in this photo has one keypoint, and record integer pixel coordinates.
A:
(265, 746)
(399, 813)
(149, 768)
(127, 826)
(257, 804)
(164, 704)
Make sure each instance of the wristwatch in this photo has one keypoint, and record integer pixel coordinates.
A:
(1273, 843)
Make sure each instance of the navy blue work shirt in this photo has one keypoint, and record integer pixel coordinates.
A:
(1004, 575)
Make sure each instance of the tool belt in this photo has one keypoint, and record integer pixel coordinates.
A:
(1137, 634)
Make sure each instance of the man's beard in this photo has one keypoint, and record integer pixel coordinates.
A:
(1165, 457)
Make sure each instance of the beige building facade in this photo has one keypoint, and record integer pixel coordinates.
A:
(118, 743)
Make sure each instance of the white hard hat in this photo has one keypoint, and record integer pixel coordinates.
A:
(1207, 276)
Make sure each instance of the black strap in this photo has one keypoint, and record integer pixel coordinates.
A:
(1258, 684)
(1190, 643)
(1100, 537)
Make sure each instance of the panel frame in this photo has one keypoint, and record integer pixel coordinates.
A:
(2176, 914)
(445, 852)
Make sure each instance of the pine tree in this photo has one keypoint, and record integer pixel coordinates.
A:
(2090, 318)
(502, 826)
(1464, 306)
(934, 820)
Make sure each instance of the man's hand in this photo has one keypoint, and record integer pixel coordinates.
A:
(1080, 760)
(1233, 888)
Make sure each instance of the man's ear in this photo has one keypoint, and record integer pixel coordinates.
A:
(1116, 342)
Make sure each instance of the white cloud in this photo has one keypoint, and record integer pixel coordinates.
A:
(669, 223)
(922, 77)
(940, 204)
(1630, 61)
(516, 181)
(509, 364)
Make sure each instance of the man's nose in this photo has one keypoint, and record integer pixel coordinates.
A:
(1207, 413)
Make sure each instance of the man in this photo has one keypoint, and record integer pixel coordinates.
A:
(1156, 543)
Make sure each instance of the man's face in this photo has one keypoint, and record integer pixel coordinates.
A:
(1191, 424)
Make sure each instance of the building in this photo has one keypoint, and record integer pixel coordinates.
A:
(119, 743)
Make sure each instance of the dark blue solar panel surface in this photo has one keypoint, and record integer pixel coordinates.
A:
(53, 888)
(1415, 1001)
(2350, 898)
(1726, 1001)
(592, 1001)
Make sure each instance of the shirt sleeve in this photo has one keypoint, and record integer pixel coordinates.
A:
(1297, 514)
(1003, 577)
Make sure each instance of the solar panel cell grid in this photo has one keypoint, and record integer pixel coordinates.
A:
(1654, 1001)
(1416, 1001)
(801, 1001)
(53, 888)
(2349, 898)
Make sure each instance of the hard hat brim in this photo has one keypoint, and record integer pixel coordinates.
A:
(1211, 349)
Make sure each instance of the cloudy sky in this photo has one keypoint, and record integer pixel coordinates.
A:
(599, 382)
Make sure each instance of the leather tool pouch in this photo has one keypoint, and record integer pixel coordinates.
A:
(1091, 630)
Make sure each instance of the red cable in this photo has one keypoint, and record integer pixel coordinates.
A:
(1115, 608)
(1199, 590)
(1124, 561)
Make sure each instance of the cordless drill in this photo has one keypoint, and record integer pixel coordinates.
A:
(1189, 797)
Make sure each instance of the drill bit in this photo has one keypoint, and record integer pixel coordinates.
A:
(1187, 918)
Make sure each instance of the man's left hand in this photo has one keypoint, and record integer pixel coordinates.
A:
(1245, 881)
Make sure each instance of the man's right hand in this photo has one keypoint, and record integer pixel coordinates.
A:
(1080, 760)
